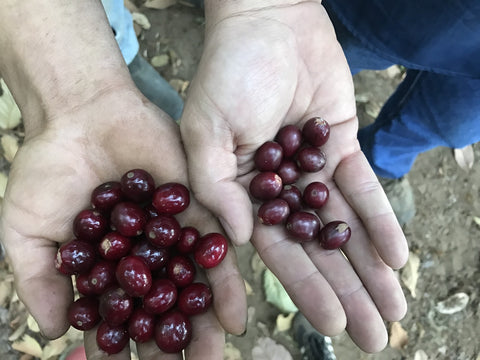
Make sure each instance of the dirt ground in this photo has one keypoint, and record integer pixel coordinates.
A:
(443, 237)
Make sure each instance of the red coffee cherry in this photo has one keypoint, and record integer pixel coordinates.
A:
(138, 185)
(293, 196)
(210, 250)
(181, 270)
(83, 313)
(128, 219)
(273, 212)
(102, 276)
(315, 194)
(156, 258)
(334, 235)
(290, 138)
(114, 246)
(311, 159)
(134, 276)
(303, 226)
(141, 325)
(171, 198)
(289, 172)
(115, 306)
(268, 156)
(112, 339)
(316, 131)
(75, 257)
(163, 231)
(265, 186)
(161, 297)
(173, 332)
(105, 196)
(188, 239)
(90, 225)
(195, 299)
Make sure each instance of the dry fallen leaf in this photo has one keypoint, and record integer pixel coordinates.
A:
(477, 220)
(420, 355)
(248, 288)
(141, 20)
(410, 273)
(455, 303)
(398, 336)
(6, 289)
(231, 352)
(9, 146)
(10, 115)
(267, 349)
(159, 4)
(3, 184)
(284, 322)
(464, 157)
(28, 345)
(32, 324)
(160, 60)
(54, 348)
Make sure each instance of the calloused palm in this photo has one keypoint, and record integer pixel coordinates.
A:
(50, 181)
(262, 69)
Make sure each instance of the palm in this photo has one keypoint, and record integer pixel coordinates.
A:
(260, 71)
(51, 179)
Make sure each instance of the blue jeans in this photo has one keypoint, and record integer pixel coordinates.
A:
(427, 109)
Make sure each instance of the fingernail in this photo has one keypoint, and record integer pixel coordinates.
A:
(243, 334)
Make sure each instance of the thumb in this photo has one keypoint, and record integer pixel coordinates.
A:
(213, 171)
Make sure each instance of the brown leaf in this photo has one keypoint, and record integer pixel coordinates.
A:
(142, 20)
(10, 115)
(9, 146)
(464, 157)
(32, 324)
(54, 348)
(398, 336)
(284, 322)
(267, 349)
(410, 273)
(28, 345)
(159, 4)
(160, 60)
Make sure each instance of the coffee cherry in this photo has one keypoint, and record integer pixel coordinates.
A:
(141, 325)
(268, 156)
(173, 332)
(188, 239)
(316, 131)
(90, 225)
(303, 226)
(311, 159)
(273, 212)
(105, 196)
(155, 257)
(114, 246)
(289, 172)
(334, 235)
(102, 276)
(181, 270)
(82, 285)
(315, 194)
(211, 250)
(133, 275)
(128, 219)
(83, 313)
(163, 231)
(138, 185)
(75, 257)
(265, 186)
(171, 198)
(115, 306)
(112, 339)
(161, 297)
(293, 196)
(290, 139)
(195, 299)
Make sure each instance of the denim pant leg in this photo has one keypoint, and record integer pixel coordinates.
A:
(121, 22)
(427, 110)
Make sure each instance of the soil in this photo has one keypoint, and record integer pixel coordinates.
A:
(444, 234)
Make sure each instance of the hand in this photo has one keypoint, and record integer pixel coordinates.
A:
(263, 68)
(51, 179)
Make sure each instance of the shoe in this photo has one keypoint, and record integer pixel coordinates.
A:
(155, 87)
(312, 344)
(400, 195)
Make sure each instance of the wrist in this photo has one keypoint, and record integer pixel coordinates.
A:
(63, 56)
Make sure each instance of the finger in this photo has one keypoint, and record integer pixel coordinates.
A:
(378, 278)
(150, 351)
(45, 292)
(212, 166)
(307, 287)
(208, 338)
(93, 352)
(361, 189)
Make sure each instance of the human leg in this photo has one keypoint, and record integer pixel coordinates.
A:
(147, 79)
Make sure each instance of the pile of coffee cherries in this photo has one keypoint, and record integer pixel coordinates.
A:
(135, 265)
(281, 164)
